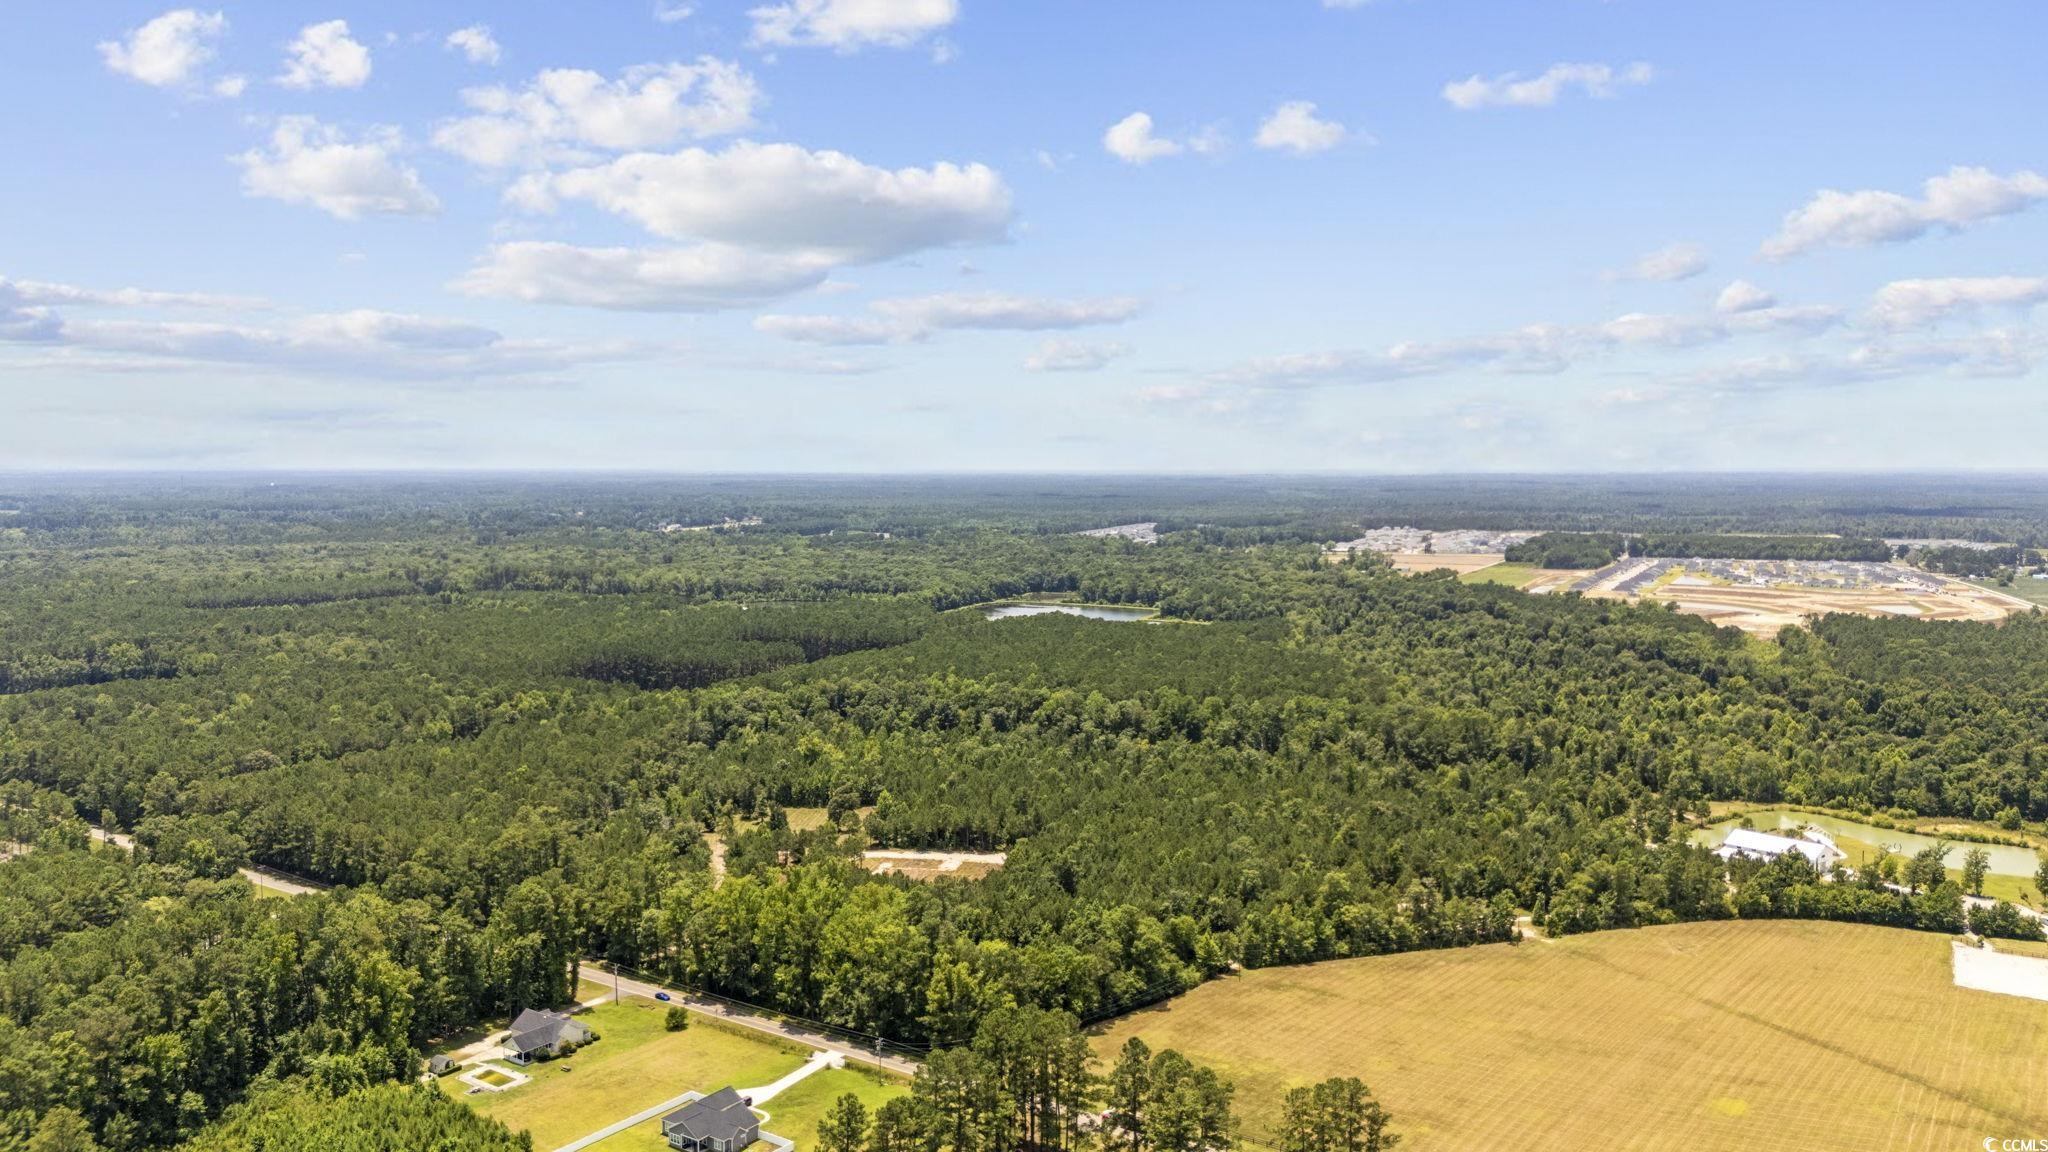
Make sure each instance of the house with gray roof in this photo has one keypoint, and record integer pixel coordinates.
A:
(720, 1122)
(538, 1034)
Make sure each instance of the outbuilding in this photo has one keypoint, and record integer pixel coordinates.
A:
(1754, 845)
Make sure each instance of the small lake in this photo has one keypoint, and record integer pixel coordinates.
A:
(1091, 611)
(1861, 841)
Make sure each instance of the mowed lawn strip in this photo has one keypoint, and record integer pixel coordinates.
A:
(797, 1113)
(635, 1064)
(1705, 1037)
(794, 1114)
(1512, 575)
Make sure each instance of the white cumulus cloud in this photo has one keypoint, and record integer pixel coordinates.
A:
(698, 278)
(904, 319)
(1918, 303)
(1953, 201)
(308, 162)
(784, 198)
(363, 344)
(1742, 296)
(476, 44)
(1513, 90)
(1132, 139)
(1543, 348)
(1294, 127)
(850, 25)
(1665, 265)
(1001, 310)
(564, 112)
(838, 330)
(325, 56)
(1074, 356)
(39, 294)
(753, 222)
(168, 51)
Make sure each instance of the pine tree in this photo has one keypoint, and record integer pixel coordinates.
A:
(845, 1127)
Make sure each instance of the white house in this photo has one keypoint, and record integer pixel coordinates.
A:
(539, 1034)
(1757, 845)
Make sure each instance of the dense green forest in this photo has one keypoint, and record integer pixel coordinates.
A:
(1569, 550)
(1684, 545)
(1596, 549)
(1959, 561)
(505, 719)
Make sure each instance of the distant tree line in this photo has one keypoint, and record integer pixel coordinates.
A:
(1597, 549)
(1954, 560)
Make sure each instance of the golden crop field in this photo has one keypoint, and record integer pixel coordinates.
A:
(1741, 1036)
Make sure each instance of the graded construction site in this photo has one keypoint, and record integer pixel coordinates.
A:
(1758, 596)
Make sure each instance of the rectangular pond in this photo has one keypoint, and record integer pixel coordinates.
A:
(2006, 860)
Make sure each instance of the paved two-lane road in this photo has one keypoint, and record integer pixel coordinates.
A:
(628, 986)
(625, 985)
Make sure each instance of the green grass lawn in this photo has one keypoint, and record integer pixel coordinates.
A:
(2025, 588)
(1512, 575)
(2019, 890)
(2022, 947)
(634, 1064)
(805, 819)
(795, 1114)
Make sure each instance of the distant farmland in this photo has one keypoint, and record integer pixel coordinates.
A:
(1705, 1037)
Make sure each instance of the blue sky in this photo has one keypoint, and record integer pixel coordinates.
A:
(1391, 236)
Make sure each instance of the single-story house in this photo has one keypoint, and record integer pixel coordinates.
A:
(720, 1122)
(440, 1066)
(539, 1034)
(1755, 845)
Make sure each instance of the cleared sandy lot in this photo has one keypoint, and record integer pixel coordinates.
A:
(2005, 973)
(932, 865)
(1550, 580)
(1765, 611)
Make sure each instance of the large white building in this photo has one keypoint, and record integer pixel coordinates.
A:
(1756, 845)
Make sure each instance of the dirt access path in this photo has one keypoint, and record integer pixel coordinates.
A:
(260, 877)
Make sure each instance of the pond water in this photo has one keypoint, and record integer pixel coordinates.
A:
(1091, 611)
(1861, 841)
